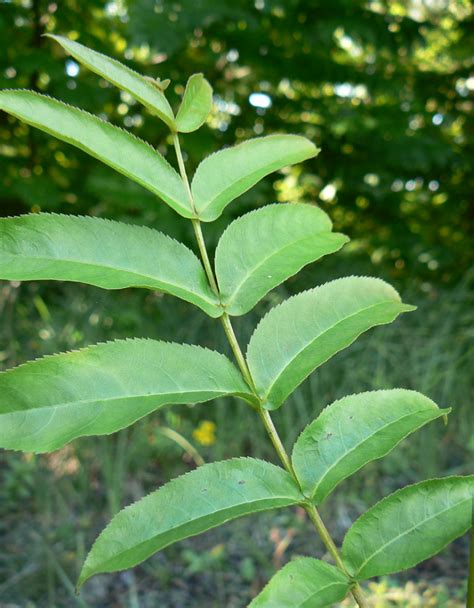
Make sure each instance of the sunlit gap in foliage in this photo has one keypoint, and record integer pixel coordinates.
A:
(328, 193)
(116, 8)
(346, 89)
(260, 100)
(347, 43)
(72, 68)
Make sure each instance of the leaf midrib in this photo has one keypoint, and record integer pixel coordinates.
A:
(307, 345)
(408, 531)
(325, 588)
(368, 438)
(223, 392)
(108, 266)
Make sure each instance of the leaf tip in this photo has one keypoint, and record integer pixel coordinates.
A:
(56, 37)
(313, 149)
(446, 413)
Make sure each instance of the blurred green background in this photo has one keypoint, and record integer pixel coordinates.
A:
(385, 89)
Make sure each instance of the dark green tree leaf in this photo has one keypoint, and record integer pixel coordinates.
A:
(303, 332)
(108, 254)
(227, 174)
(409, 526)
(205, 498)
(196, 104)
(303, 583)
(98, 390)
(149, 94)
(113, 146)
(263, 248)
(353, 431)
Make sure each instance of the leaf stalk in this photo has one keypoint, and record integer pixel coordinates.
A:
(196, 223)
(323, 532)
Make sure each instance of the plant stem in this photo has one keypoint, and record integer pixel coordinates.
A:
(277, 443)
(183, 443)
(196, 223)
(234, 344)
(324, 534)
(205, 256)
(182, 168)
(331, 547)
(263, 413)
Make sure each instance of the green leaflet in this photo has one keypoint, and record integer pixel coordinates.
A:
(303, 583)
(303, 332)
(115, 147)
(98, 390)
(205, 498)
(409, 526)
(108, 254)
(196, 104)
(354, 431)
(263, 248)
(228, 173)
(121, 76)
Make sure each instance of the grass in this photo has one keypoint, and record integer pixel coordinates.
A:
(52, 506)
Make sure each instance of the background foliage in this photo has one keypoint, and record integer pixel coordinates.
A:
(384, 89)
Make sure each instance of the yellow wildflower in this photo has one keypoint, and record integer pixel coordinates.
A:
(205, 433)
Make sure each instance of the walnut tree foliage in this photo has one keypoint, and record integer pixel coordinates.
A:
(97, 390)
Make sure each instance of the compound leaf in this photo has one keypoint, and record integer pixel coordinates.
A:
(409, 526)
(115, 147)
(303, 332)
(227, 174)
(143, 89)
(196, 104)
(263, 248)
(98, 390)
(108, 254)
(353, 431)
(303, 583)
(198, 501)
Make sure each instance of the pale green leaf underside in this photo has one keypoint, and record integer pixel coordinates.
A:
(230, 172)
(303, 332)
(121, 76)
(409, 526)
(205, 498)
(196, 104)
(353, 431)
(108, 254)
(303, 583)
(98, 390)
(115, 147)
(263, 248)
